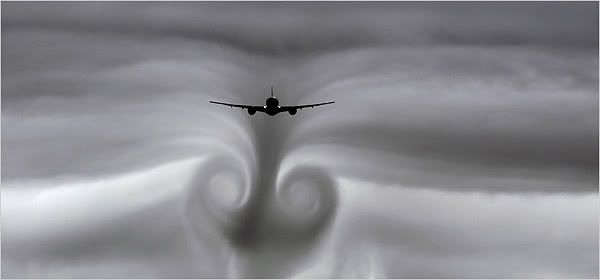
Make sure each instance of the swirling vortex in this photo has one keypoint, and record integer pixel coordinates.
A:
(273, 226)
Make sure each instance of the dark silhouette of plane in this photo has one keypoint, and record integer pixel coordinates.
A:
(272, 107)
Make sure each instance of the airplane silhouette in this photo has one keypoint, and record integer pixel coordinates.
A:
(272, 107)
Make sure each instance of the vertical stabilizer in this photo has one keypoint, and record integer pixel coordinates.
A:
(271, 91)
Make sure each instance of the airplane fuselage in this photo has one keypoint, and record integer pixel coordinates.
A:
(272, 106)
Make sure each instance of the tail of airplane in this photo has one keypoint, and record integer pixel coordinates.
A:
(271, 91)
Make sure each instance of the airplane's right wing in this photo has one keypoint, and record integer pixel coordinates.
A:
(292, 109)
(251, 109)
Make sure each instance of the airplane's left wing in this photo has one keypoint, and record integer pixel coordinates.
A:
(250, 108)
(292, 109)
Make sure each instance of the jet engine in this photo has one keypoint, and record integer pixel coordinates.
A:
(292, 111)
(251, 111)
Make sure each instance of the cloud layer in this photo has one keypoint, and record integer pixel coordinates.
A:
(462, 143)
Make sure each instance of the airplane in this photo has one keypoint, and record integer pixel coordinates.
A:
(272, 107)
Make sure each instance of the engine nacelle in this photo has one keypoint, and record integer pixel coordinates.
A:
(251, 111)
(292, 111)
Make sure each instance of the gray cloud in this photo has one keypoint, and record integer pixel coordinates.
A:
(276, 28)
(112, 155)
(504, 112)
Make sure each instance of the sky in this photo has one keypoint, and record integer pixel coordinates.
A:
(462, 144)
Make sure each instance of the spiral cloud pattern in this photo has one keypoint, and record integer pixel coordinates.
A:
(463, 140)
